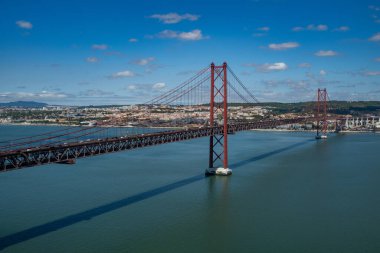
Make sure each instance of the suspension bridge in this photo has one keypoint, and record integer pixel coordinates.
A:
(214, 87)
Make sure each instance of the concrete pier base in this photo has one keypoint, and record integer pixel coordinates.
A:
(68, 161)
(318, 137)
(218, 171)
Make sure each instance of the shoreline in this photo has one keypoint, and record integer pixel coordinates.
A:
(310, 131)
(157, 127)
(72, 125)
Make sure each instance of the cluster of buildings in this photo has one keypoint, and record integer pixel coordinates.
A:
(176, 116)
(362, 123)
(162, 116)
(59, 115)
(134, 115)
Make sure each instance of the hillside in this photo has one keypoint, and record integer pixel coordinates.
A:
(29, 104)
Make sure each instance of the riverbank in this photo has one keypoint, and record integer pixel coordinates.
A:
(166, 127)
(74, 125)
(305, 131)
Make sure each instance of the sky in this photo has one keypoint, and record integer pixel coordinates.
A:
(124, 52)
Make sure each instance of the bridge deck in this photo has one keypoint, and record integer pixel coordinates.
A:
(22, 158)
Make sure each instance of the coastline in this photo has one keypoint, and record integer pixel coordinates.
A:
(73, 125)
(165, 127)
(35, 124)
(306, 131)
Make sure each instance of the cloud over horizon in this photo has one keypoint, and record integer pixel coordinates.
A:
(375, 37)
(144, 61)
(326, 53)
(192, 35)
(122, 74)
(38, 96)
(99, 46)
(174, 18)
(269, 67)
(319, 28)
(92, 59)
(24, 24)
(283, 46)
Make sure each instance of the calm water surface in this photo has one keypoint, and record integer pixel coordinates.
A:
(288, 193)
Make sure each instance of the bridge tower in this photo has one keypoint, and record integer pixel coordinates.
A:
(321, 114)
(218, 117)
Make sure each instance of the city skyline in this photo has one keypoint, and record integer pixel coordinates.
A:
(125, 52)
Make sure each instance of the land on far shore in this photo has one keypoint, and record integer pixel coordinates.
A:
(355, 108)
(33, 113)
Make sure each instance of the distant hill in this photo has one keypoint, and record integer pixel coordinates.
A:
(355, 108)
(30, 104)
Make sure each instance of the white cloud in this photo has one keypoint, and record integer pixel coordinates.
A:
(298, 29)
(304, 90)
(264, 28)
(92, 59)
(39, 96)
(145, 90)
(372, 73)
(317, 28)
(132, 40)
(173, 18)
(48, 94)
(311, 28)
(375, 37)
(291, 90)
(298, 85)
(373, 7)
(96, 93)
(114, 53)
(322, 72)
(122, 74)
(269, 67)
(326, 53)
(132, 87)
(276, 66)
(138, 87)
(304, 65)
(144, 61)
(284, 46)
(259, 34)
(377, 59)
(168, 34)
(192, 35)
(99, 46)
(342, 29)
(159, 86)
(292, 84)
(24, 24)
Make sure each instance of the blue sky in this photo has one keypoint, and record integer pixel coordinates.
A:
(123, 52)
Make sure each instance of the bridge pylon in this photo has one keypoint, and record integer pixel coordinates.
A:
(218, 117)
(321, 114)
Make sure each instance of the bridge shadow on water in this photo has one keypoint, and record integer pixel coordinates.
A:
(55, 225)
(265, 155)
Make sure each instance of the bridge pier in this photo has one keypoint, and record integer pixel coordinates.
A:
(218, 171)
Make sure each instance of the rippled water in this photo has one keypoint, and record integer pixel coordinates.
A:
(288, 193)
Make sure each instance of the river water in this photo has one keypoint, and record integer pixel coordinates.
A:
(288, 193)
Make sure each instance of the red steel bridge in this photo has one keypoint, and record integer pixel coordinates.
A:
(214, 88)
